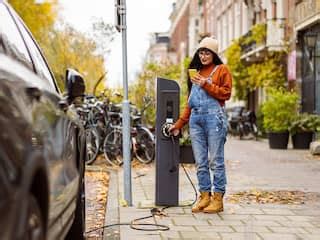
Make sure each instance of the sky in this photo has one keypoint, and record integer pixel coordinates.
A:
(143, 18)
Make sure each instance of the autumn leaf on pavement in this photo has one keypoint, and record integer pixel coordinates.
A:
(276, 197)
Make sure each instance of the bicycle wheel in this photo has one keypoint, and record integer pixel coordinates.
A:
(112, 147)
(145, 146)
(92, 145)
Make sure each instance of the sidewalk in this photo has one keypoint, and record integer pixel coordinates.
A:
(250, 165)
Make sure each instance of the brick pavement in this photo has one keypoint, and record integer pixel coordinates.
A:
(249, 165)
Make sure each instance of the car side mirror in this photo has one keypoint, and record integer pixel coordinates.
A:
(74, 84)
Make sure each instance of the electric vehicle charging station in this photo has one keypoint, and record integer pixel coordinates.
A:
(167, 147)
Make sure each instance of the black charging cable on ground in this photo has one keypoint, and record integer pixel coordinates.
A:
(154, 211)
(187, 175)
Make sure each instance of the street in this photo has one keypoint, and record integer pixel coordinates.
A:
(286, 180)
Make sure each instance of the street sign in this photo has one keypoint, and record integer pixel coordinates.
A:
(120, 11)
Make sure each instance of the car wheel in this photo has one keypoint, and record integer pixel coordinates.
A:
(78, 226)
(34, 223)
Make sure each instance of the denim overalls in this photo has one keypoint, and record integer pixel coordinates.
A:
(208, 130)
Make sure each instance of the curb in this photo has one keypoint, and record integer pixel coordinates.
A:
(112, 209)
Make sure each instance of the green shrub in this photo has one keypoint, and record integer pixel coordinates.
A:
(185, 137)
(279, 110)
(305, 123)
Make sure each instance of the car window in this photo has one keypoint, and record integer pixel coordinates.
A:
(1, 45)
(11, 38)
(38, 60)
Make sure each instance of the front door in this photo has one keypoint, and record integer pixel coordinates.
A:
(317, 73)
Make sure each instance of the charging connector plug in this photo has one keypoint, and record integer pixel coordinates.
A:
(166, 130)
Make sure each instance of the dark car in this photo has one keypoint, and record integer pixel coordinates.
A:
(41, 141)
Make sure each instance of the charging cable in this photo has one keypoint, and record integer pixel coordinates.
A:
(187, 175)
(155, 211)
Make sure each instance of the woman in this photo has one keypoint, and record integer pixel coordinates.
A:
(208, 91)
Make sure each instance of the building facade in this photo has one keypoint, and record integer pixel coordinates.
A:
(290, 25)
(236, 18)
(159, 49)
(179, 30)
(307, 35)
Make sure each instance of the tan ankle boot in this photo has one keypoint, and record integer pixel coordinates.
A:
(216, 204)
(203, 201)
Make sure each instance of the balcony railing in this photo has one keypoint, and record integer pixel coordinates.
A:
(253, 39)
(264, 37)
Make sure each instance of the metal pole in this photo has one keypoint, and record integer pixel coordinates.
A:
(125, 113)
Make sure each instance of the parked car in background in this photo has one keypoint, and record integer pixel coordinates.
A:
(41, 141)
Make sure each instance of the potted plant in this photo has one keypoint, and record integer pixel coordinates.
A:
(186, 153)
(278, 113)
(303, 128)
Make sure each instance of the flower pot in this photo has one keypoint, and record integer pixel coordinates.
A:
(302, 140)
(186, 154)
(278, 140)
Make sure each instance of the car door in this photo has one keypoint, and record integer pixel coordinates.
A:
(6, 202)
(16, 134)
(58, 129)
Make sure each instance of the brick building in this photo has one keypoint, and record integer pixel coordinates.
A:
(159, 48)
(179, 36)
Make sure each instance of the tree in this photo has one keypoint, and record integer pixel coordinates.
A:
(39, 18)
(238, 69)
(65, 47)
(69, 48)
(267, 74)
(146, 81)
(103, 33)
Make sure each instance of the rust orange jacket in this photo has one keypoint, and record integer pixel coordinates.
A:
(219, 88)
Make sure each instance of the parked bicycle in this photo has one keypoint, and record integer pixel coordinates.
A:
(142, 141)
(94, 116)
(92, 139)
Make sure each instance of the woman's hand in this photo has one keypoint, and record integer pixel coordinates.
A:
(174, 130)
(198, 79)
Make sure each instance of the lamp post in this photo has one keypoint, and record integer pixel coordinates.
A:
(121, 26)
(310, 40)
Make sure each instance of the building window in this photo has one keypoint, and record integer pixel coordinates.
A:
(274, 9)
(237, 21)
(245, 27)
(219, 30)
(224, 31)
(230, 25)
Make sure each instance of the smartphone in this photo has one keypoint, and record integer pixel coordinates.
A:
(192, 72)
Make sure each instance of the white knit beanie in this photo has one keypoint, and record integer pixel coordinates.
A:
(209, 43)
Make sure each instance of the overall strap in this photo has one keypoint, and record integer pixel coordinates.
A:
(213, 71)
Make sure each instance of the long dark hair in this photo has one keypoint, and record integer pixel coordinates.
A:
(196, 64)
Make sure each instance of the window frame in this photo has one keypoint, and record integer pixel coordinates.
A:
(40, 65)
